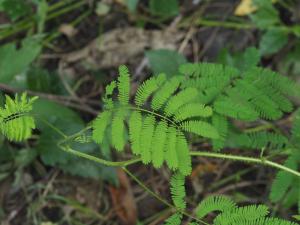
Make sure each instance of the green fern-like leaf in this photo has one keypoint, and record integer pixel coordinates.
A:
(16, 123)
(200, 128)
(165, 92)
(172, 159)
(221, 124)
(241, 215)
(178, 190)
(183, 97)
(283, 181)
(118, 130)
(182, 152)
(99, 126)
(135, 129)
(159, 143)
(156, 134)
(146, 138)
(175, 219)
(259, 140)
(147, 88)
(192, 110)
(123, 85)
(214, 203)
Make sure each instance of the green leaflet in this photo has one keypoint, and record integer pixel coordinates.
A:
(162, 95)
(123, 85)
(192, 110)
(241, 215)
(99, 126)
(146, 137)
(282, 181)
(200, 128)
(172, 160)
(118, 130)
(178, 190)
(214, 203)
(182, 151)
(147, 88)
(159, 143)
(221, 124)
(135, 128)
(183, 97)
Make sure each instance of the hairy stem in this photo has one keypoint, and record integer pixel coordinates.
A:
(246, 159)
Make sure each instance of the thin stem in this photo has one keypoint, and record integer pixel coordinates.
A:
(247, 159)
(140, 183)
(99, 160)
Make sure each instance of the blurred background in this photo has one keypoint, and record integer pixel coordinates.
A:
(66, 51)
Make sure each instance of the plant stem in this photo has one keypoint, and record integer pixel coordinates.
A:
(261, 161)
(99, 160)
(246, 159)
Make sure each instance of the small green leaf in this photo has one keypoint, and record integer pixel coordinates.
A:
(21, 58)
(165, 61)
(15, 8)
(266, 15)
(164, 8)
(272, 41)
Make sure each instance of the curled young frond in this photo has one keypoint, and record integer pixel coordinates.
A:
(16, 122)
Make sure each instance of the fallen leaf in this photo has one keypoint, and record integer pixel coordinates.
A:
(123, 200)
(203, 168)
(245, 8)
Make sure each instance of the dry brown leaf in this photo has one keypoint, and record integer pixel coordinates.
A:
(123, 200)
(245, 8)
(203, 168)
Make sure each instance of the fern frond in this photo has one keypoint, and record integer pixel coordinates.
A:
(107, 99)
(99, 126)
(171, 159)
(235, 109)
(182, 152)
(262, 139)
(135, 129)
(16, 123)
(214, 203)
(178, 190)
(296, 128)
(162, 95)
(159, 143)
(118, 130)
(178, 100)
(123, 85)
(241, 215)
(283, 181)
(192, 110)
(262, 103)
(147, 88)
(146, 138)
(175, 219)
(221, 124)
(201, 128)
